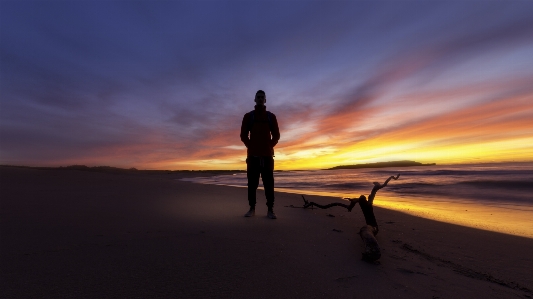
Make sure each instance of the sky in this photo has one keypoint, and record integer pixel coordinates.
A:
(165, 84)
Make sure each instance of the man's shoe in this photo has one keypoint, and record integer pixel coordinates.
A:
(250, 213)
(271, 214)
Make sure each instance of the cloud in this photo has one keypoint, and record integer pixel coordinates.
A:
(152, 84)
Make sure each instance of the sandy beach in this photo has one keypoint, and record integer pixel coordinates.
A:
(85, 234)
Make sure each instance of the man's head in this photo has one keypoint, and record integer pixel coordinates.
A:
(260, 98)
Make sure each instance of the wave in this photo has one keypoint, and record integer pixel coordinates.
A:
(492, 184)
(464, 173)
(499, 184)
(505, 184)
(354, 185)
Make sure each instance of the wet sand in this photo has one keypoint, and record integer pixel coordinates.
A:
(85, 234)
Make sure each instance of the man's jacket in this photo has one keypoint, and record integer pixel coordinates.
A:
(263, 132)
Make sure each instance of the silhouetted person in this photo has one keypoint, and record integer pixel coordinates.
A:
(264, 135)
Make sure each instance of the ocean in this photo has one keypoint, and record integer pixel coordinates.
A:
(496, 197)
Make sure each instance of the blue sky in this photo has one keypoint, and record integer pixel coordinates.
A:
(165, 84)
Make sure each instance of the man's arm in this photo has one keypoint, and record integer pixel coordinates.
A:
(244, 130)
(275, 131)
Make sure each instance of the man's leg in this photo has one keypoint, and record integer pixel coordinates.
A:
(252, 173)
(267, 174)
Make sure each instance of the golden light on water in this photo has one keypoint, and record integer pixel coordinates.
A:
(497, 217)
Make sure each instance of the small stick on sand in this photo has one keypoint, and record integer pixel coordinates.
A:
(370, 230)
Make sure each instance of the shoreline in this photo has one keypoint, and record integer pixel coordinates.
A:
(89, 234)
(495, 217)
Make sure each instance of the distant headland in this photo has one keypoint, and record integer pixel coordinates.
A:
(404, 163)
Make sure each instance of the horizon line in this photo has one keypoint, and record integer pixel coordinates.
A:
(74, 166)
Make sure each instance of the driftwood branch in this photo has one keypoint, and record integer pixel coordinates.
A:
(378, 186)
(353, 202)
(370, 230)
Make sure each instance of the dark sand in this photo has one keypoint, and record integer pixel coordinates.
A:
(82, 234)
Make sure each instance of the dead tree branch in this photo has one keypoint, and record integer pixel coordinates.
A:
(370, 230)
(353, 202)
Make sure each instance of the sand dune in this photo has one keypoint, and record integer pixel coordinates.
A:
(69, 233)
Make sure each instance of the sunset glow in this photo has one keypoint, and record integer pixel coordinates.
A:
(359, 82)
